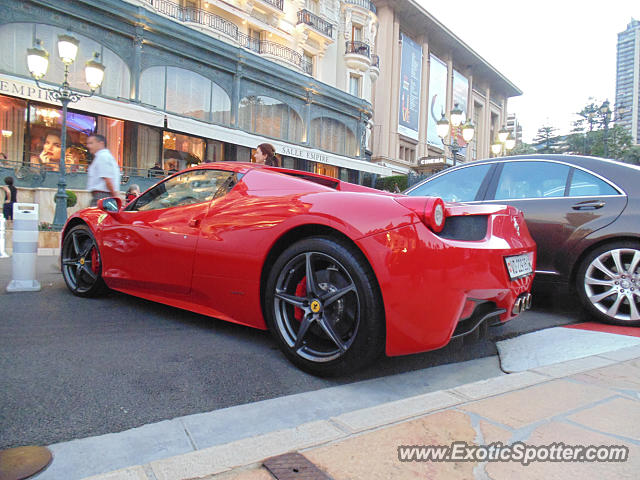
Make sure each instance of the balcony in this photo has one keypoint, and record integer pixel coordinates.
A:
(277, 50)
(275, 4)
(314, 21)
(366, 4)
(357, 55)
(231, 30)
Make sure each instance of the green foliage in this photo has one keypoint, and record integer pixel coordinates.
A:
(547, 140)
(389, 183)
(46, 227)
(72, 199)
(523, 149)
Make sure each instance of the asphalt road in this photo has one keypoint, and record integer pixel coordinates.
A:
(73, 368)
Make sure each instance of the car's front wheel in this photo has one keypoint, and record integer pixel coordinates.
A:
(81, 262)
(323, 307)
(608, 282)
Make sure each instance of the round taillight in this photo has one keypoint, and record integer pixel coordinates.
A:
(435, 214)
(438, 215)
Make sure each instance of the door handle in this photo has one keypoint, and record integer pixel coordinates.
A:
(589, 205)
(194, 222)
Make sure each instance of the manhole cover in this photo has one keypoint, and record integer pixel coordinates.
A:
(22, 462)
(294, 466)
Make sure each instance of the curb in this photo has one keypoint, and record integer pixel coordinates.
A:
(250, 452)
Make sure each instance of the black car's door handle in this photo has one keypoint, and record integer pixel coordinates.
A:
(589, 205)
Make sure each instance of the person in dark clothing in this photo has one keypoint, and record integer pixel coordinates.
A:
(266, 154)
(10, 197)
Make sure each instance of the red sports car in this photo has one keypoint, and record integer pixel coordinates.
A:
(339, 273)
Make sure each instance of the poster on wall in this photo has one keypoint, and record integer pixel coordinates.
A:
(437, 98)
(460, 96)
(410, 76)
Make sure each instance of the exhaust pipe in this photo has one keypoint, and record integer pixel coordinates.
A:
(522, 303)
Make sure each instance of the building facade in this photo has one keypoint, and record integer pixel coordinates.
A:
(627, 108)
(189, 82)
(427, 71)
(514, 127)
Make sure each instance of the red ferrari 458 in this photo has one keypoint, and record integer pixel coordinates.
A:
(339, 273)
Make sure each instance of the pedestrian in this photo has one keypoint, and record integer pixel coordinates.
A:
(266, 155)
(10, 197)
(103, 175)
(132, 193)
(156, 171)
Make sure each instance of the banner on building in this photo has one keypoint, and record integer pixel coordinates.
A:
(410, 76)
(460, 97)
(437, 98)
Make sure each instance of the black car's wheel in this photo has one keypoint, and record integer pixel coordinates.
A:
(608, 282)
(81, 262)
(323, 306)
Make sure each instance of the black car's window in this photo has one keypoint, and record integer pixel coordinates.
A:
(584, 184)
(456, 186)
(532, 180)
(195, 186)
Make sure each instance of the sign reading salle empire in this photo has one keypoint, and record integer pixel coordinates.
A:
(306, 154)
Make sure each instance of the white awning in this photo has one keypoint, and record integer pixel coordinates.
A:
(239, 137)
(123, 110)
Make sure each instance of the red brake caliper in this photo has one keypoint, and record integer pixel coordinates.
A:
(95, 261)
(301, 291)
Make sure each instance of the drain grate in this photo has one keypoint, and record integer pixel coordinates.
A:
(294, 466)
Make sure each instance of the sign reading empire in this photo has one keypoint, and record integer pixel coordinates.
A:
(410, 77)
(24, 90)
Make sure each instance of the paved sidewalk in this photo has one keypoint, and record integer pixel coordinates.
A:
(590, 401)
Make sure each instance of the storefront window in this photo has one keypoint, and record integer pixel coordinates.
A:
(186, 93)
(16, 38)
(333, 136)
(215, 151)
(328, 170)
(180, 151)
(271, 117)
(12, 123)
(113, 130)
(149, 148)
(44, 139)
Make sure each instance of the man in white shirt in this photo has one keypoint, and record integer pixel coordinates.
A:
(103, 175)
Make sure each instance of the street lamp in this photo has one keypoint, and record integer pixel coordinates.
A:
(444, 127)
(38, 63)
(504, 141)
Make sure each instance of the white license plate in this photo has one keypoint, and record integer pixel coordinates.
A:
(519, 265)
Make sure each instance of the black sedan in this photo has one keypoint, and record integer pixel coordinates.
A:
(583, 212)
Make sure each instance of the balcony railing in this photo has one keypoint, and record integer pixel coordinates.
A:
(319, 24)
(375, 61)
(368, 4)
(277, 50)
(276, 3)
(197, 15)
(360, 48)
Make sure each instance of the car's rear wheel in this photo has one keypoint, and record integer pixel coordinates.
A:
(608, 282)
(323, 307)
(81, 262)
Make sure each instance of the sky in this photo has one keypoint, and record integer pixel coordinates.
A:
(559, 53)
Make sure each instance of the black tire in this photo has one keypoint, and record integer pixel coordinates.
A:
(339, 307)
(608, 283)
(81, 263)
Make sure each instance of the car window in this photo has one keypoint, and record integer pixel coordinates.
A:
(195, 186)
(532, 180)
(585, 184)
(456, 186)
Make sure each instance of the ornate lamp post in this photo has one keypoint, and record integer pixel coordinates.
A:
(504, 143)
(453, 126)
(38, 63)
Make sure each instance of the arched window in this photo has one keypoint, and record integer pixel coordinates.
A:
(185, 92)
(270, 117)
(333, 136)
(16, 38)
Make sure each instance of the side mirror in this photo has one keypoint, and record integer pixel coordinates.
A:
(110, 205)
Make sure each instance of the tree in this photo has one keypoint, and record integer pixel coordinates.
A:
(523, 149)
(545, 140)
(632, 155)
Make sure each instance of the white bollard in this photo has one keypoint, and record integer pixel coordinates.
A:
(3, 237)
(25, 248)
